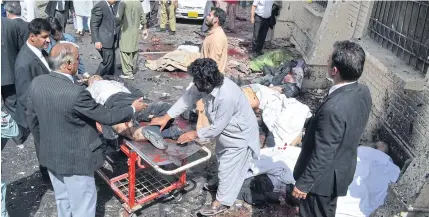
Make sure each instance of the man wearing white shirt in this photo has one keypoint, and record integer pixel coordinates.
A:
(29, 64)
(260, 16)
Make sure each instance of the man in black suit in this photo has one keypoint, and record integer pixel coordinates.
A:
(60, 10)
(9, 52)
(62, 115)
(105, 32)
(31, 63)
(327, 162)
(13, 11)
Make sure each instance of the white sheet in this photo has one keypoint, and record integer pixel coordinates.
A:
(375, 170)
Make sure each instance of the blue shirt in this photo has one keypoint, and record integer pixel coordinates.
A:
(69, 38)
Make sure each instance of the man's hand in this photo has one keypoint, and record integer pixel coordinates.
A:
(187, 137)
(139, 105)
(298, 194)
(145, 34)
(161, 121)
(98, 45)
(252, 20)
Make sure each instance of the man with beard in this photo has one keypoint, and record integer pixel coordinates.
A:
(232, 123)
(215, 45)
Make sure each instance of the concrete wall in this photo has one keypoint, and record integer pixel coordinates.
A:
(299, 21)
(400, 112)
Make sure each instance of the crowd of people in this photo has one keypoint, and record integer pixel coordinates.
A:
(41, 93)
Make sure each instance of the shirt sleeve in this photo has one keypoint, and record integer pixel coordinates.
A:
(189, 98)
(224, 112)
(255, 2)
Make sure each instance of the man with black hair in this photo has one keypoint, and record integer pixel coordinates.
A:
(215, 45)
(13, 11)
(327, 162)
(31, 63)
(232, 123)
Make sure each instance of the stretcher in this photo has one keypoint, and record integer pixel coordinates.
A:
(146, 180)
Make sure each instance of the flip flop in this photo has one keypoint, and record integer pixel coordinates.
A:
(212, 211)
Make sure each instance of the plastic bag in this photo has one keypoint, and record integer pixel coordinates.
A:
(273, 58)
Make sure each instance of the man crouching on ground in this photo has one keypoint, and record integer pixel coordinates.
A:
(232, 122)
(61, 115)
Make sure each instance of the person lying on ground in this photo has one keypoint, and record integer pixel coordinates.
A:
(114, 94)
(283, 117)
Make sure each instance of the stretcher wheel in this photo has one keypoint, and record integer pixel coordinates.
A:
(124, 213)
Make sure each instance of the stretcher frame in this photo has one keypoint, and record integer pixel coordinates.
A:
(139, 186)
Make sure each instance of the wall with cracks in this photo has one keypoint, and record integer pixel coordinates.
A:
(400, 112)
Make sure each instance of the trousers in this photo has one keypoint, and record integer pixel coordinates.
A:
(107, 66)
(232, 13)
(318, 206)
(75, 195)
(128, 61)
(168, 12)
(260, 30)
(80, 24)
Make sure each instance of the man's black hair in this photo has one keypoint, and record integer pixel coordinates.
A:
(13, 7)
(206, 69)
(220, 14)
(56, 26)
(349, 58)
(38, 25)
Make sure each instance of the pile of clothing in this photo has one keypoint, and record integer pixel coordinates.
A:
(287, 77)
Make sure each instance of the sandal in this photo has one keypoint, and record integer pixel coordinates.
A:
(212, 211)
(211, 188)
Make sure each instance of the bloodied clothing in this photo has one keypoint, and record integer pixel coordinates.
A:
(234, 126)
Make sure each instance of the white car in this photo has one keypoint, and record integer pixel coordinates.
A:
(191, 9)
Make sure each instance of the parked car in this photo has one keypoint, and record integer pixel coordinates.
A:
(191, 9)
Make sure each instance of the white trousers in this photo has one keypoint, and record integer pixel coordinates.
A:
(79, 23)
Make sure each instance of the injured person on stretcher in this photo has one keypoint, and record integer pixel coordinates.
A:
(111, 93)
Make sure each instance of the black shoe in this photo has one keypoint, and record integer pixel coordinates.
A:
(154, 136)
(161, 30)
(45, 175)
(172, 32)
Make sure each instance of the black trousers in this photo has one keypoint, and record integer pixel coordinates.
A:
(318, 206)
(107, 66)
(260, 30)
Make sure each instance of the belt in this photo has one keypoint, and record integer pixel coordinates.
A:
(60, 11)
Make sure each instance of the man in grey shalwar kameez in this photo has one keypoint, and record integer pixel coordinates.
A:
(232, 123)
